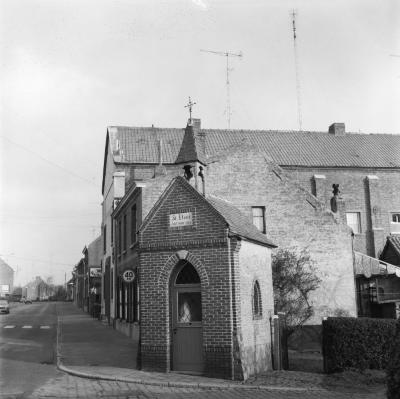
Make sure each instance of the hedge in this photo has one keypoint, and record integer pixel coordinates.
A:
(356, 343)
(393, 370)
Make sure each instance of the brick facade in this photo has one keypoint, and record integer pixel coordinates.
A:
(373, 192)
(294, 219)
(227, 270)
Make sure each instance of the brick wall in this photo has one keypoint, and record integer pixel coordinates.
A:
(294, 219)
(357, 193)
(254, 334)
(208, 252)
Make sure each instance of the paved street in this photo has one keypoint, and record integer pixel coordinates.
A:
(27, 341)
(86, 346)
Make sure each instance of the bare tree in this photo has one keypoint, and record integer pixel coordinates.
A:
(294, 278)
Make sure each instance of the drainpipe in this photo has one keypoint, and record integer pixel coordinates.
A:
(231, 296)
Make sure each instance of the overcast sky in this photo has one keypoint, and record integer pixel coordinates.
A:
(71, 68)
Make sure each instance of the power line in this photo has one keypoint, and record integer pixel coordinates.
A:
(41, 261)
(48, 161)
(51, 224)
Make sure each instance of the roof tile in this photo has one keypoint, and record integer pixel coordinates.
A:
(286, 148)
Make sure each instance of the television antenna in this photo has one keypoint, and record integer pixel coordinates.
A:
(296, 62)
(228, 94)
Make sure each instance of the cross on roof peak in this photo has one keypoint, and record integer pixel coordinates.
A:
(190, 106)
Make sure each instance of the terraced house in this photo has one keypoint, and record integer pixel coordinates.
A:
(334, 193)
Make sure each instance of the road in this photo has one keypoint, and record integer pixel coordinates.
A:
(27, 341)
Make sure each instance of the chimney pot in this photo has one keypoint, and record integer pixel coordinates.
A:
(337, 129)
(196, 123)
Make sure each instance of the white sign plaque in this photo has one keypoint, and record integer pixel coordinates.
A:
(95, 272)
(128, 276)
(180, 219)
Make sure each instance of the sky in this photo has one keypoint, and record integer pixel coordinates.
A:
(70, 68)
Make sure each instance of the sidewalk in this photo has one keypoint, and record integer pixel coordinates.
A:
(88, 348)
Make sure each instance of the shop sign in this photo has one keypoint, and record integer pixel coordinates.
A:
(180, 219)
(95, 272)
(128, 275)
(5, 288)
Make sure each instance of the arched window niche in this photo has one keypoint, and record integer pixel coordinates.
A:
(187, 275)
(257, 305)
(188, 290)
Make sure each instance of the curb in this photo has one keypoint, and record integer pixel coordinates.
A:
(171, 384)
(193, 385)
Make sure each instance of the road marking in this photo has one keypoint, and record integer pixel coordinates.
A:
(26, 326)
(9, 326)
(44, 327)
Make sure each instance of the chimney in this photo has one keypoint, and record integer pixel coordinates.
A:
(119, 184)
(337, 129)
(196, 123)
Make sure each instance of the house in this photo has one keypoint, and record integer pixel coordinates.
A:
(94, 254)
(80, 276)
(362, 169)
(37, 290)
(6, 279)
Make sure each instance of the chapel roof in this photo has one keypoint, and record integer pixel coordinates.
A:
(239, 223)
(286, 148)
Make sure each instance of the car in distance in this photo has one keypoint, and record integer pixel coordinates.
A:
(25, 301)
(4, 306)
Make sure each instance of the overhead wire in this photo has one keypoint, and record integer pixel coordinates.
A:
(48, 161)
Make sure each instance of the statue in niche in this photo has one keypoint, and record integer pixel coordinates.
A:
(335, 197)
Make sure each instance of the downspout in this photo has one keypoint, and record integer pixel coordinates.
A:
(230, 302)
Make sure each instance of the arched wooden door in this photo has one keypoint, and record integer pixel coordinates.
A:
(187, 328)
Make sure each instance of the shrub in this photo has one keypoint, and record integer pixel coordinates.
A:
(393, 370)
(351, 343)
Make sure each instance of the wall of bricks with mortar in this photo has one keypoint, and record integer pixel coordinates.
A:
(293, 219)
(354, 187)
(216, 292)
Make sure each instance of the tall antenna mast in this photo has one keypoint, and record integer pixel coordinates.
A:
(228, 93)
(296, 62)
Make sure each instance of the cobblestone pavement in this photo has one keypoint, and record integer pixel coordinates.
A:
(67, 386)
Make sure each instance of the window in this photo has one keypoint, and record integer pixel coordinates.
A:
(112, 231)
(124, 234)
(395, 223)
(257, 308)
(119, 236)
(258, 213)
(353, 221)
(105, 238)
(133, 224)
(188, 275)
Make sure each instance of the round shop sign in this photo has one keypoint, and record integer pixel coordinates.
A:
(128, 276)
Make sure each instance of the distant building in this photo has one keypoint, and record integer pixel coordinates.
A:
(95, 255)
(37, 290)
(6, 279)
